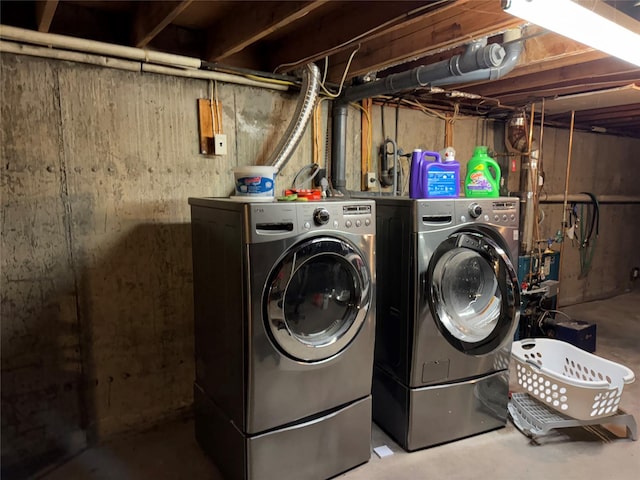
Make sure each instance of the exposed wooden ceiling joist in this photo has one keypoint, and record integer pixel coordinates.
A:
(390, 37)
(603, 114)
(152, 17)
(520, 98)
(336, 30)
(448, 27)
(251, 22)
(610, 100)
(45, 10)
(604, 69)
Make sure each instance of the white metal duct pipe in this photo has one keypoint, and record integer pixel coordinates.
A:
(101, 48)
(304, 109)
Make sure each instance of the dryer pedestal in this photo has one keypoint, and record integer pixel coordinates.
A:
(320, 447)
(423, 417)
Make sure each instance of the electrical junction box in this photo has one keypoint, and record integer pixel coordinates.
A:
(219, 144)
(578, 333)
(371, 180)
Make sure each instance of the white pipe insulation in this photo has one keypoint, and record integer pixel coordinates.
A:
(100, 60)
(100, 48)
(127, 58)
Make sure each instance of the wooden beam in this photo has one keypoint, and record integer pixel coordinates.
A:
(365, 143)
(250, 22)
(521, 98)
(334, 30)
(450, 26)
(602, 113)
(605, 70)
(610, 13)
(152, 17)
(622, 122)
(45, 10)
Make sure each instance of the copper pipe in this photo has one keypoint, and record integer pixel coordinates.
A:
(566, 195)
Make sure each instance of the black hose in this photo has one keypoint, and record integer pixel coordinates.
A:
(595, 218)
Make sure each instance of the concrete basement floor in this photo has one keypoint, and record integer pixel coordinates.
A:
(169, 451)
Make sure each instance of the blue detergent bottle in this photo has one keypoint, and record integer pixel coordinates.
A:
(433, 178)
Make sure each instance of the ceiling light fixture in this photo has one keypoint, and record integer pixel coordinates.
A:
(573, 21)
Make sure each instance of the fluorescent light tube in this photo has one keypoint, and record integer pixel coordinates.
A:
(572, 20)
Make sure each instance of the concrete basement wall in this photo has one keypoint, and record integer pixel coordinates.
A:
(97, 166)
(603, 165)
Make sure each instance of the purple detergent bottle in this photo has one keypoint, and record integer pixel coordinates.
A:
(433, 179)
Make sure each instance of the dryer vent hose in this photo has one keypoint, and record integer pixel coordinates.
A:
(304, 110)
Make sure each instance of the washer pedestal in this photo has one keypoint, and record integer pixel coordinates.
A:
(427, 416)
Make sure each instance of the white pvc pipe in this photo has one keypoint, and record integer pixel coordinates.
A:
(45, 52)
(210, 75)
(91, 46)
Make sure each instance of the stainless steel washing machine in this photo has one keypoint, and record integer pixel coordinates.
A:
(284, 335)
(447, 308)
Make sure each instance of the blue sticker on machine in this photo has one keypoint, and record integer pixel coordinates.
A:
(255, 184)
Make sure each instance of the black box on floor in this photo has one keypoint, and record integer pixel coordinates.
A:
(578, 333)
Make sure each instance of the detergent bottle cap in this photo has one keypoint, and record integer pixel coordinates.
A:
(448, 154)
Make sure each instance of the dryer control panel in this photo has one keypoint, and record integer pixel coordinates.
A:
(272, 221)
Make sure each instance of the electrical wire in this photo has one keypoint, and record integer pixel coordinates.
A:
(216, 107)
(344, 76)
(269, 80)
(546, 313)
(360, 36)
(315, 166)
(369, 137)
(424, 109)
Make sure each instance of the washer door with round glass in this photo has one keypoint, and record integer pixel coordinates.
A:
(474, 295)
(317, 298)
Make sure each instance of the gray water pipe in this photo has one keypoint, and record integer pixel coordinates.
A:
(512, 51)
(479, 62)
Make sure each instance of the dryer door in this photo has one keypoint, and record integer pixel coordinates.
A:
(317, 298)
(474, 295)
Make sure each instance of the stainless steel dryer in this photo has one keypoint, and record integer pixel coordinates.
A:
(284, 335)
(448, 305)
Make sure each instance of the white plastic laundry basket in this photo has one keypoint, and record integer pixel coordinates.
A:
(568, 379)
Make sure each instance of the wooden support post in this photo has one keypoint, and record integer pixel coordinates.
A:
(365, 142)
(205, 125)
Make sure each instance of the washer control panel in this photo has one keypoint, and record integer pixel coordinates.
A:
(502, 211)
